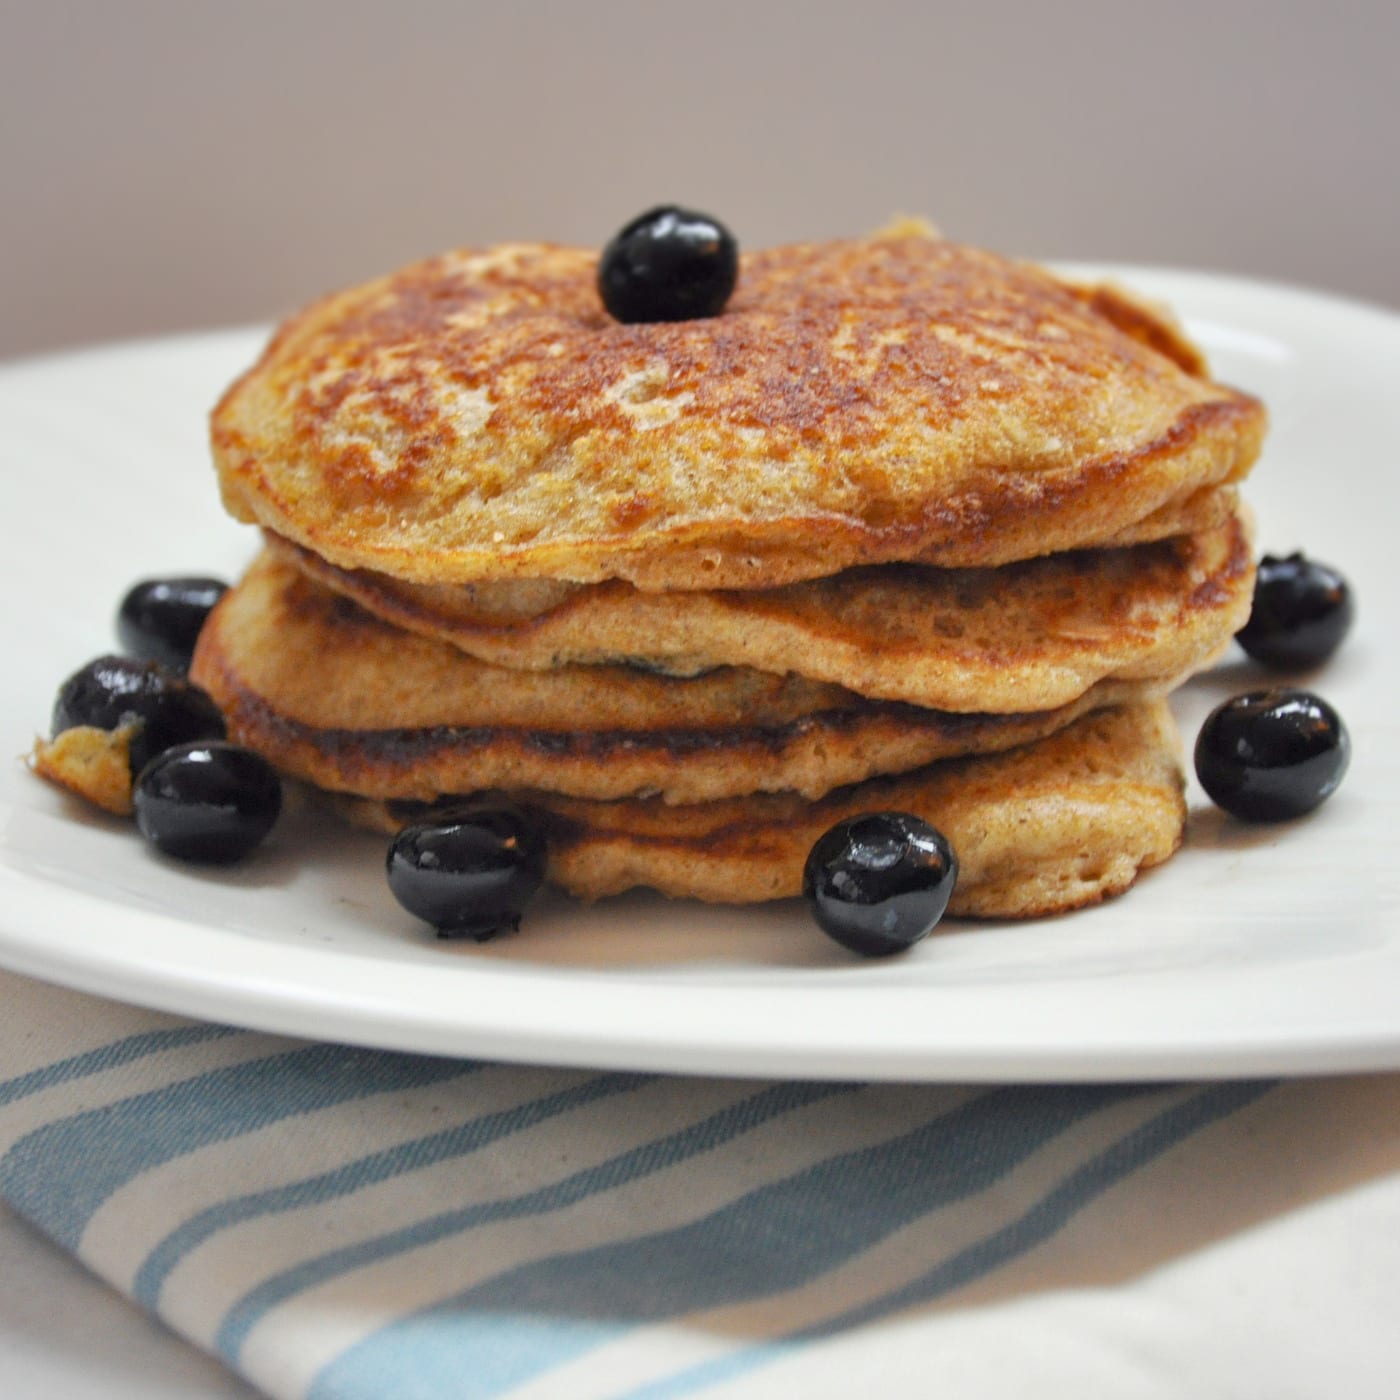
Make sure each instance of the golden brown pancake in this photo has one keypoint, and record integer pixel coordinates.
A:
(890, 532)
(331, 695)
(480, 416)
(1056, 825)
(1029, 636)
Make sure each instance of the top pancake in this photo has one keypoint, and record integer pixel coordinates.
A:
(480, 416)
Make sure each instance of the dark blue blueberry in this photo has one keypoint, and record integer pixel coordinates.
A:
(669, 264)
(1302, 611)
(1272, 754)
(207, 802)
(470, 873)
(159, 619)
(879, 883)
(114, 691)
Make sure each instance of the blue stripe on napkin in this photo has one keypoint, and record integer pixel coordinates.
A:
(121, 1052)
(1051, 1213)
(458, 1141)
(654, 1156)
(488, 1339)
(61, 1173)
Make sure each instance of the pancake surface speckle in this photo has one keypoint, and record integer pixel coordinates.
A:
(480, 416)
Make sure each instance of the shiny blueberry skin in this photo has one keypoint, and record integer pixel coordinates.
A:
(112, 691)
(669, 264)
(1302, 611)
(159, 619)
(469, 874)
(207, 802)
(1272, 755)
(879, 883)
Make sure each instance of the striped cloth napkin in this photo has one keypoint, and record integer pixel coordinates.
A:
(347, 1224)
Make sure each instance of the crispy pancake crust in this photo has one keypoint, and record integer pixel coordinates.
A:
(1029, 636)
(331, 695)
(1043, 829)
(480, 416)
(91, 763)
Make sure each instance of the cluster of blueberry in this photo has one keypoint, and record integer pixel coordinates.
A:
(1275, 754)
(195, 796)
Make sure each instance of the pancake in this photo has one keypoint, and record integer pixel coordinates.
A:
(333, 696)
(480, 416)
(1043, 829)
(1031, 636)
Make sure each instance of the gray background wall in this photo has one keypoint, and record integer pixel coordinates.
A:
(174, 163)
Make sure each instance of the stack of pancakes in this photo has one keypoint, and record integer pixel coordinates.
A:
(908, 526)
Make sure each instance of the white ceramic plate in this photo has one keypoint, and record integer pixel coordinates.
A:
(1256, 950)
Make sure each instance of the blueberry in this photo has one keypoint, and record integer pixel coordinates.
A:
(207, 802)
(669, 264)
(879, 883)
(468, 874)
(1272, 754)
(159, 619)
(1302, 611)
(113, 691)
